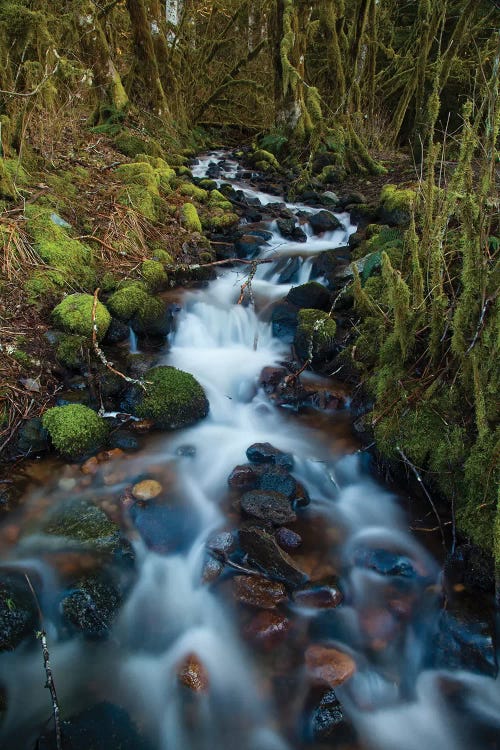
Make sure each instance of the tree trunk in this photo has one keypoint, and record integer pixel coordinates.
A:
(145, 86)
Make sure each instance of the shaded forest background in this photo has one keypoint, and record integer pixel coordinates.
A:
(324, 90)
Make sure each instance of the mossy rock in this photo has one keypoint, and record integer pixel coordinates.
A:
(11, 174)
(74, 315)
(72, 351)
(189, 218)
(396, 205)
(315, 335)
(138, 173)
(75, 430)
(142, 200)
(173, 399)
(218, 220)
(207, 184)
(92, 605)
(163, 256)
(192, 191)
(83, 525)
(165, 175)
(58, 249)
(133, 304)
(217, 200)
(18, 615)
(154, 275)
(132, 145)
(262, 157)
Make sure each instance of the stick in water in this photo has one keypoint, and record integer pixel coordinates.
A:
(48, 669)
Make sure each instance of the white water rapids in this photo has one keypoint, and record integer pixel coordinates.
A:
(393, 702)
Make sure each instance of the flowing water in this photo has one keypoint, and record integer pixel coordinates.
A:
(255, 700)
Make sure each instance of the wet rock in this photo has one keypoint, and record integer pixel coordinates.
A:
(284, 320)
(466, 639)
(267, 629)
(264, 551)
(327, 716)
(350, 199)
(92, 606)
(33, 438)
(188, 451)
(222, 543)
(471, 566)
(101, 727)
(243, 477)
(310, 295)
(385, 563)
(329, 261)
(288, 270)
(162, 528)
(117, 332)
(193, 675)
(277, 479)
(124, 441)
(259, 592)
(324, 221)
(147, 489)
(290, 230)
(248, 246)
(270, 377)
(328, 666)
(319, 597)
(18, 614)
(265, 453)
(212, 570)
(329, 198)
(269, 506)
(288, 539)
(91, 466)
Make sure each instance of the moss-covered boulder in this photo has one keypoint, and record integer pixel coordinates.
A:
(315, 335)
(396, 205)
(133, 304)
(72, 351)
(154, 274)
(264, 160)
(192, 191)
(189, 218)
(219, 219)
(74, 315)
(217, 200)
(75, 430)
(173, 399)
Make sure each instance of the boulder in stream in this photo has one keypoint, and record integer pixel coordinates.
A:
(263, 550)
(173, 399)
(269, 506)
(311, 295)
(265, 453)
(324, 221)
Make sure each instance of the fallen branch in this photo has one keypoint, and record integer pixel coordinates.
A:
(41, 634)
(429, 498)
(100, 353)
(230, 260)
(247, 285)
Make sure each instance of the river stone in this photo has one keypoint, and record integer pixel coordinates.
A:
(267, 629)
(222, 543)
(327, 716)
(284, 320)
(147, 489)
(277, 479)
(324, 221)
(259, 592)
(248, 246)
(318, 597)
(263, 550)
(92, 606)
(243, 477)
(328, 666)
(269, 506)
(466, 639)
(212, 570)
(286, 227)
(265, 453)
(288, 270)
(118, 331)
(18, 614)
(385, 563)
(192, 674)
(329, 198)
(311, 295)
(288, 539)
(33, 438)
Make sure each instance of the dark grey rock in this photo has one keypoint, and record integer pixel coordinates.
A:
(311, 296)
(264, 551)
(265, 453)
(269, 506)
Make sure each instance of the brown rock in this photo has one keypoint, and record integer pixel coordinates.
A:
(110, 455)
(319, 597)
(90, 466)
(243, 477)
(143, 425)
(147, 489)
(259, 592)
(267, 629)
(263, 549)
(328, 666)
(193, 674)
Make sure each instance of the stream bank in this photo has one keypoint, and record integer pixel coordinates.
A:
(172, 494)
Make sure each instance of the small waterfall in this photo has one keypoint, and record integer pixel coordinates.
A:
(132, 341)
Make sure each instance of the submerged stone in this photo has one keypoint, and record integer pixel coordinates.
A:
(329, 666)
(265, 453)
(259, 592)
(268, 506)
(92, 606)
(268, 629)
(327, 716)
(263, 549)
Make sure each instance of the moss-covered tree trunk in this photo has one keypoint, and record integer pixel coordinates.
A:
(145, 85)
(107, 80)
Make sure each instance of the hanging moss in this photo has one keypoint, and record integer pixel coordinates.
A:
(396, 205)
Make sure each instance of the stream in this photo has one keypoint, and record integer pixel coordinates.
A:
(259, 692)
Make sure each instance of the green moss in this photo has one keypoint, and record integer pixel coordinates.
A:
(207, 184)
(81, 521)
(219, 219)
(45, 286)
(217, 200)
(58, 249)
(189, 218)
(138, 173)
(108, 282)
(183, 172)
(75, 429)
(141, 200)
(11, 175)
(132, 145)
(164, 174)
(74, 315)
(173, 399)
(191, 191)
(396, 204)
(315, 333)
(265, 157)
(154, 275)
(72, 350)
(163, 257)
(128, 300)
(177, 160)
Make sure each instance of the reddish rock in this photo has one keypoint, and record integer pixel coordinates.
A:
(90, 466)
(193, 674)
(242, 477)
(110, 455)
(147, 489)
(143, 425)
(288, 539)
(267, 629)
(319, 597)
(328, 666)
(259, 592)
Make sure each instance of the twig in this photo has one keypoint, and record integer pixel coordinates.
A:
(96, 239)
(230, 260)
(100, 353)
(221, 557)
(247, 285)
(429, 498)
(48, 669)
(480, 323)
